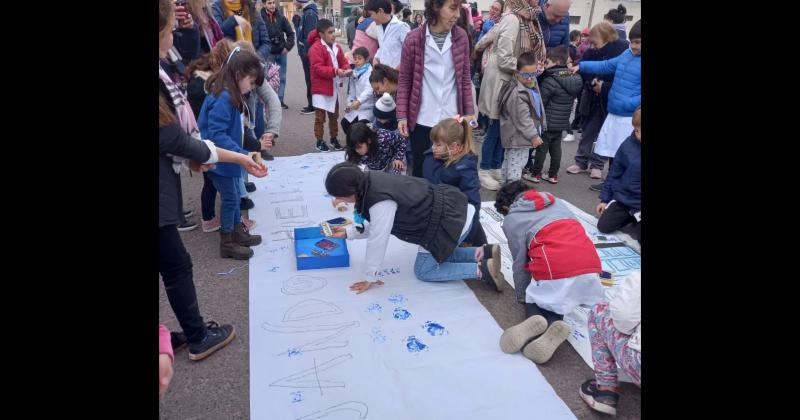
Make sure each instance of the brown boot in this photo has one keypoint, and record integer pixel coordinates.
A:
(242, 237)
(228, 248)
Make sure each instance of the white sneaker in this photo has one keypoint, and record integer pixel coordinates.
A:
(569, 137)
(487, 180)
(497, 174)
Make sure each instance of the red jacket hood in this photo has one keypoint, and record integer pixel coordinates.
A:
(313, 37)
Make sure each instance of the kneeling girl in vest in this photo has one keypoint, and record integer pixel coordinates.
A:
(555, 268)
(435, 217)
(450, 160)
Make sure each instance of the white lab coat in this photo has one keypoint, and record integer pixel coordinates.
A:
(390, 42)
(360, 89)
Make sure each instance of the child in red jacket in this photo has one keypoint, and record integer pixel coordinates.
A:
(327, 65)
(555, 268)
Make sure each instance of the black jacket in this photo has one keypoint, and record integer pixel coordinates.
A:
(174, 141)
(281, 34)
(428, 215)
(559, 89)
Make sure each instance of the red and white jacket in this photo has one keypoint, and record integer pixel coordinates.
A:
(322, 70)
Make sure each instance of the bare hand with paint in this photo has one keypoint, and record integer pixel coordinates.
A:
(362, 286)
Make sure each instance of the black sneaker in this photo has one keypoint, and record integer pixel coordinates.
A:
(597, 187)
(602, 401)
(217, 337)
(246, 204)
(486, 274)
(187, 226)
(322, 147)
(178, 340)
(335, 144)
(284, 106)
(307, 110)
(266, 156)
(249, 187)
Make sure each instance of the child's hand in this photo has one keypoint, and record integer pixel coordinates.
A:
(267, 141)
(164, 373)
(537, 141)
(598, 86)
(362, 286)
(258, 170)
(355, 104)
(575, 69)
(600, 209)
(398, 165)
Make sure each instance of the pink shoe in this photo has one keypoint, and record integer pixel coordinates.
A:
(551, 179)
(211, 225)
(248, 223)
(575, 169)
(595, 174)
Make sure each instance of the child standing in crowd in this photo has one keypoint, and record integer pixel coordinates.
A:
(436, 217)
(615, 333)
(522, 118)
(360, 97)
(621, 198)
(435, 80)
(384, 80)
(221, 121)
(559, 89)
(574, 41)
(379, 149)
(555, 268)
(385, 113)
(327, 65)
(450, 160)
(625, 94)
(393, 32)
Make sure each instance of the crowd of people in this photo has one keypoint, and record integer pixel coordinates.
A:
(418, 89)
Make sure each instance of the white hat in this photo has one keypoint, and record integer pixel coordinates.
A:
(385, 103)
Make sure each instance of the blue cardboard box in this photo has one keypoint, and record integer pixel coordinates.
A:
(310, 255)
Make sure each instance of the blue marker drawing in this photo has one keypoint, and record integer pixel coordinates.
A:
(396, 297)
(435, 329)
(377, 335)
(374, 308)
(273, 269)
(305, 167)
(400, 313)
(294, 352)
(413, 345)
(297, 396)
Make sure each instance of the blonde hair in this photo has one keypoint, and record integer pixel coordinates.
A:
(451, 131)
(605, 31)
(637, 117)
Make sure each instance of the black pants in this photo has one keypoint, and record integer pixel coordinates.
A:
(346, 128)
(175, 266)
(307, 72)
(552, 144)
(532, 309)
(476, 236)
(420, 142)
(617, 216)
(585, 157)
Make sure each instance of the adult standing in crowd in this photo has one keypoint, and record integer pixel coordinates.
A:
(434, 81)
(406, 20)
(240, 22)
(417, 21)
(554, 21)
(593, 106)
(308, 23)
(210, 32)
(281, 37)
(518, 31)
(352, 22)
(616, 17)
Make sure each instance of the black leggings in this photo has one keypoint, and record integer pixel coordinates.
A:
(420, 142)
(175, 266)
(532, 309)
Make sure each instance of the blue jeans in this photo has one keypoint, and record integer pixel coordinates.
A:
(241, 188)
(460, 265)
(280, 59)
(230, 213)
(492, 150)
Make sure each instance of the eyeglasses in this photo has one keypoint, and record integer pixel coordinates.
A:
(526, 75)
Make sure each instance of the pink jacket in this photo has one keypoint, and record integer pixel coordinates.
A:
(364, 40)
(412, 64)
(164, 342)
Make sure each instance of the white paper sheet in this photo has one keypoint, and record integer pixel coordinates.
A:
(406, 350)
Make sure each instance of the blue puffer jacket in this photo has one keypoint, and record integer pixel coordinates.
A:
(626, 93)
(624, 182)
(221, 123)
(462, 175)
(307, 24)
(554, 35)
(261, 39)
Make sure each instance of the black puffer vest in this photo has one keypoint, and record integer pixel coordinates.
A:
(428, 215)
